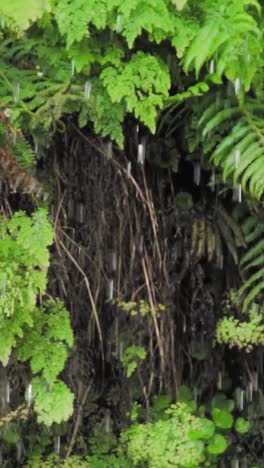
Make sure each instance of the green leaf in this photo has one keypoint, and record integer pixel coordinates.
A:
(205, 429)
(222, 418)
(242, 426)
(217, 445)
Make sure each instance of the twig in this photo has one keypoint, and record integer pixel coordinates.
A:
(78, 420)
(89, 293)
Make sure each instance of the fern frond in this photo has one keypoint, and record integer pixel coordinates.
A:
(245, 138)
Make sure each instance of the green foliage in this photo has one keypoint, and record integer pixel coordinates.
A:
(24, 260)
(131, 357)
(242, 334)
(89, 59)
(252, 260)
(237, 145)
(40, 335)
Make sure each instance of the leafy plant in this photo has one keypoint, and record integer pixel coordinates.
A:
(40, 335)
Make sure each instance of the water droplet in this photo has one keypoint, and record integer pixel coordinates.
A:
(213, 180)
(113, 261)
(16, 92)
(237, 85)
(110, 289)
(237, 194)
(57, 444)
(235, 463)
(197, 173)
(212, 66)
(7, 392)
(116, 332)
(141, 153)
(240, 399)
(121, 350)
(109, 150)
(72, 68)
(119, 23)
(250, 392)
(19, 449)
(107, 421)
(87, 90)
(219, 380)
(29, 394)
(255, 381)
(237, 158)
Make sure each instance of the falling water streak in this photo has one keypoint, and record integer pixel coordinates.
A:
(250, 391)
(16, 92)
(237, 158)
(237, 85)
(119, 24)
(141, 153)
(255, 381)
(109, 150)
(7, 392)
(110, 289)
(29, 394)
(241, 400)
(212, 66)
(237, 193)
(3, 22)
(113, 261)
(184, 325)
(72, 68)
(19, 451)
(107, 421)
(81, 212)
(213, 180)
(235, 463)
(219, 380)
(221, 263)
(197, 174)
(57, 445)
(121, 350)
(129, 168)
(14, 137)
(87, 90)
(116, 333)
(36, 148)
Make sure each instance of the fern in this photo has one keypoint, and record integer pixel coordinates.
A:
(142, 83)
(230, 34)
(240, 152)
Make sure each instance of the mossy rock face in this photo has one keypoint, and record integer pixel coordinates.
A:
(184, 200)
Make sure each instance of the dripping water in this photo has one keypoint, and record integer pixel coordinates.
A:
(57, 444)
(110, 289)
(237, 158)
(197, 174)
(109, 150)
(129, 168)
(119, 23)
(113, 261)
(121, 350)
(141, 153)
(72, 68)
(29, 394)
(87, 90)
(7, 392)
(237, 86)
(212, 66)
(16, 92)
(219, 380)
